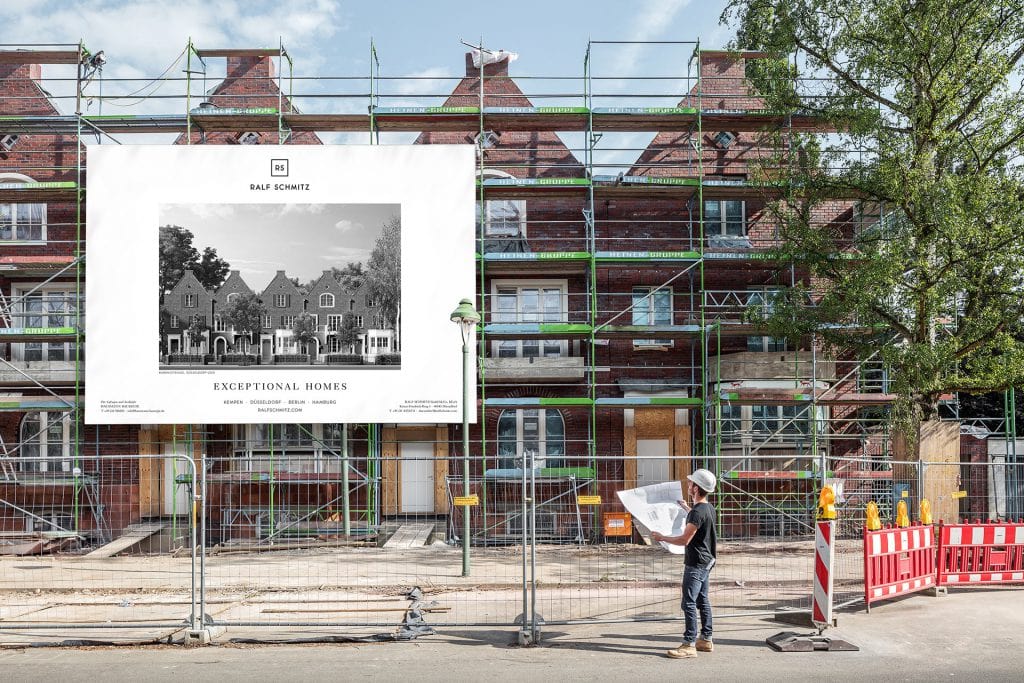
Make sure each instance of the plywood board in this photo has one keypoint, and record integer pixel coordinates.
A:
(389, 471)
(440, 470)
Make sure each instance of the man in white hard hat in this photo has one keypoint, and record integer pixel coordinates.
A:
(700, 540)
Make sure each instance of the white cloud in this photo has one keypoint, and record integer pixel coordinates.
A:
(436, 81)
(345, 225)
(337, 253)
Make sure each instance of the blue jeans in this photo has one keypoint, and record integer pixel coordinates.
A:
(695, 597)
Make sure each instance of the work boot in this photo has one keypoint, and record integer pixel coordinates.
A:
(705, 645)
(684, 651)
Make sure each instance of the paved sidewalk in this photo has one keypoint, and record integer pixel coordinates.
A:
(969, 634)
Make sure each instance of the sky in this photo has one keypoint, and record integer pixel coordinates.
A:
(143, 38)
(303, 240)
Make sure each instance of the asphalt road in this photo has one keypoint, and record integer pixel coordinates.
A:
(972, 634)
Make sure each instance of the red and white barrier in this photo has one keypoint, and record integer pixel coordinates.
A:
(824, 556)
(898, 561)
(981, 553)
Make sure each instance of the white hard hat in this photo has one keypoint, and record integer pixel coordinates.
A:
(704, 479)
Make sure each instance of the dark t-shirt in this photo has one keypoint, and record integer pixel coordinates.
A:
(702, 547)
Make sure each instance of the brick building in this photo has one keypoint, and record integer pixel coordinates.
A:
(620, 320)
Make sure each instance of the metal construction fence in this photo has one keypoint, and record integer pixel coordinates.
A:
(292, 543)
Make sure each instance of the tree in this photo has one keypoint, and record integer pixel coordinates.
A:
(197, 329)
(245, 314)
(348, 333)
(930, 142)
(177, 254)
(351, 276)
(304, 330)
(384, 271)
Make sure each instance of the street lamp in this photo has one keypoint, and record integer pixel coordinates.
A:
(466, 317)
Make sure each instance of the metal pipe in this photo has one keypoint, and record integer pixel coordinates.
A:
(465, 450)
(345, 509)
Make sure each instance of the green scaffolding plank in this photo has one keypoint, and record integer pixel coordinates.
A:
(537, 329)
(632, 256)
(35, 404)
(535, 110)
(523, 402)
(627, 401)
(53, 185)
(385, 111)
(646, 111)
(537, 256)
(534, 182)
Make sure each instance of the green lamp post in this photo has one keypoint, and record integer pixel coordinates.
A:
(466, 317)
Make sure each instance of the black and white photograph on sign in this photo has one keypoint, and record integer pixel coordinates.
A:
(280, 286)
(255, 301)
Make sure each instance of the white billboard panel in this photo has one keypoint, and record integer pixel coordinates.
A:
(258, 284)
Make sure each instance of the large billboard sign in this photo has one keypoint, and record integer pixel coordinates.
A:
(258, 284)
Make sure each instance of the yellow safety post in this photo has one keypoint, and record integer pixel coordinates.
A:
(874, 522)
(827, 503)
(902, 517)
(926, 511)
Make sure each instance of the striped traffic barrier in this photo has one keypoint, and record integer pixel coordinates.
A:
(824, 556)
(981, 553)
(898, 561)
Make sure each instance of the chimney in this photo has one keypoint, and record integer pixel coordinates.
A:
(235, 272)
(250, 67)
(496, 69)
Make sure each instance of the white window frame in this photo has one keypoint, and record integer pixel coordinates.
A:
(41, 439)
(251, 449)
(520, 415)
(64, 292)
(231, 297)
(287, 321)
(12, 207)
(191, 301)
(174, 321)
(720, 227)
(520, 348)
(280, 301)
(334, 321)
(326, 297)
(218, 323)
(649, 293)
(268, 322)
(503, 229)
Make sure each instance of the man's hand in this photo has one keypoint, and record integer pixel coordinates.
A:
(655, 536)
(682, 504)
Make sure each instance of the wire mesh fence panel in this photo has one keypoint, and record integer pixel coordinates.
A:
(354, 528)
(611, 572)
(97, 547)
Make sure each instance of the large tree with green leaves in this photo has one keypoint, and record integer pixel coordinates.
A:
(926, 97)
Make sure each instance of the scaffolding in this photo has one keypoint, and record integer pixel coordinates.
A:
(603, 348)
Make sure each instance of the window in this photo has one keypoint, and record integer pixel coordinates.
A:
(351, 304)
(541, 432)
(287, 448)
(326, 300)
(174, 322)
(652, 306)
(503, 218)
(189, 301)
(379, 323)
(287, 321)
(530, 302)
(369, 301)
(232, 297)
(23, 222)
(333, 323)
(45, 306)
(779, 420)
(218, 324)
(725, 217)
(764, 343)
(281, 301)
(333, 345)
(268, 322)
(46, 442)
(357, 320)
(379, 343)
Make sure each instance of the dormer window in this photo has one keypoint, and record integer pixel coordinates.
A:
(486, 139)
(326, 300)
(7, 142)
(248, 138)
